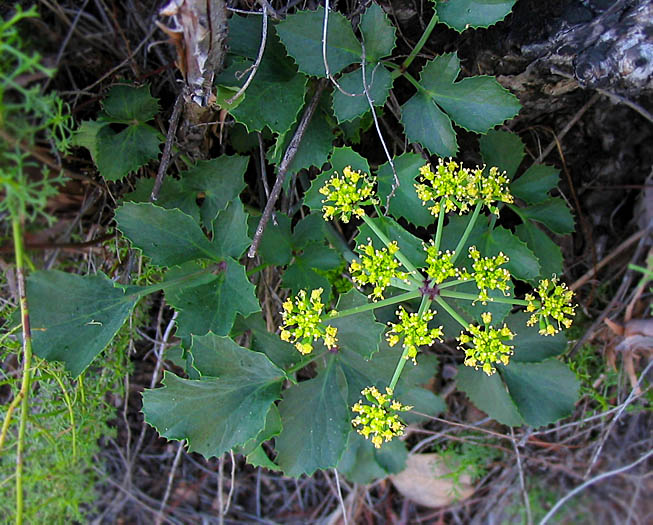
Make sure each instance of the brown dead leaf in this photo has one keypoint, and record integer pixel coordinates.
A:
(424, 481)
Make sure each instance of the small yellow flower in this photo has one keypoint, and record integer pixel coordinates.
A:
(439, 264)
(414, 330)
(380, 419)
(376, 267)
(488, 275)
(302, 324)
(487, 345)
(345, 195)
(555, 302)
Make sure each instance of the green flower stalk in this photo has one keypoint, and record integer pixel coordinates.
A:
(377, 268)
(453, 187)
(380, 419)
(555, 302)
(487, 345)
(345, 195)
(413, 329)
(440, 264)
(302, 324)
(488, 275)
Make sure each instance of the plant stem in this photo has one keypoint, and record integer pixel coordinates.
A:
(468, 230)
(418, 47)
(17, 232)
(445, 306)
(449, 284)
(438, 231)
(473, 297)
(400, 256)
(373, 306)
(302, 364)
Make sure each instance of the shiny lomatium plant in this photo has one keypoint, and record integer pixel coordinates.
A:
(447, 188)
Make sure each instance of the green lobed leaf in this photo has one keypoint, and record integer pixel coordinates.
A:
(310, 229)
(425, 123)
(529, 345)
(126, 104)
(423, 401)
(230, 230)
(378, 33)
(523, 263)
(276, 244)
(489, 394)
(453, 231)
(360, 332)
(462, 14)
(276, 79)
(379, 82)
(302, 274)
(553, 213)
(168, 237)
(503, 149)
(258, 458)
(118, 154)
(405, 202)
(213, 305)
(340, 159)
(547, 251)
(475, 103)
(214, 414)
(533, 186)
(409, 245)
(79, 327)
(544, 392)
(316, 423)
(363, 463)
(171, 196)
(301, 33)
(474, 310)
(86, 136)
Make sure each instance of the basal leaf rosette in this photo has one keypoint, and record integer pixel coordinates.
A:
(452, 187)
(345, 195)
(413, 329)
(376, 268)
(488, 275)
(380, 419)
(302, 324)
(487, 345)
(440, 264)
(555, 303)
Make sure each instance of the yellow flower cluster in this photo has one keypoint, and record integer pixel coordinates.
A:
(487, 345)
(439, 263)
(488, 275)
(345, 195)
(302, 322)
(555, 302)
(414, 330)
(458, 188)
(376, 267)
(380, 419)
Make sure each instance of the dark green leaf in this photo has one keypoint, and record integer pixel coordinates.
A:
(544, 392)
(127, 104)
(118, 154)
(168, 237)
(533, 186)
(547, 251)
(171, 196)
(553, 213)
(360, 333)
(258, 458)
(523, 264)
(302, 274)
(462, 14)
(214, 415)
(212, 306)
(422, 400)
(474, 310)
(405, 202)
(425, 123)
(301, 33)
(230, 231)
(346, 107)
(310, 229)
(378, 33)
(275, 247)
(453, 231)
(409, 245)
(86, 136)
(316, 423)
(363, 463)
(529, 344)
(502, 149)
(82, 324)
(489, 394)
(340, 159)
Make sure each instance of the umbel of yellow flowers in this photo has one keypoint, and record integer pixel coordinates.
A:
(380, 419)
